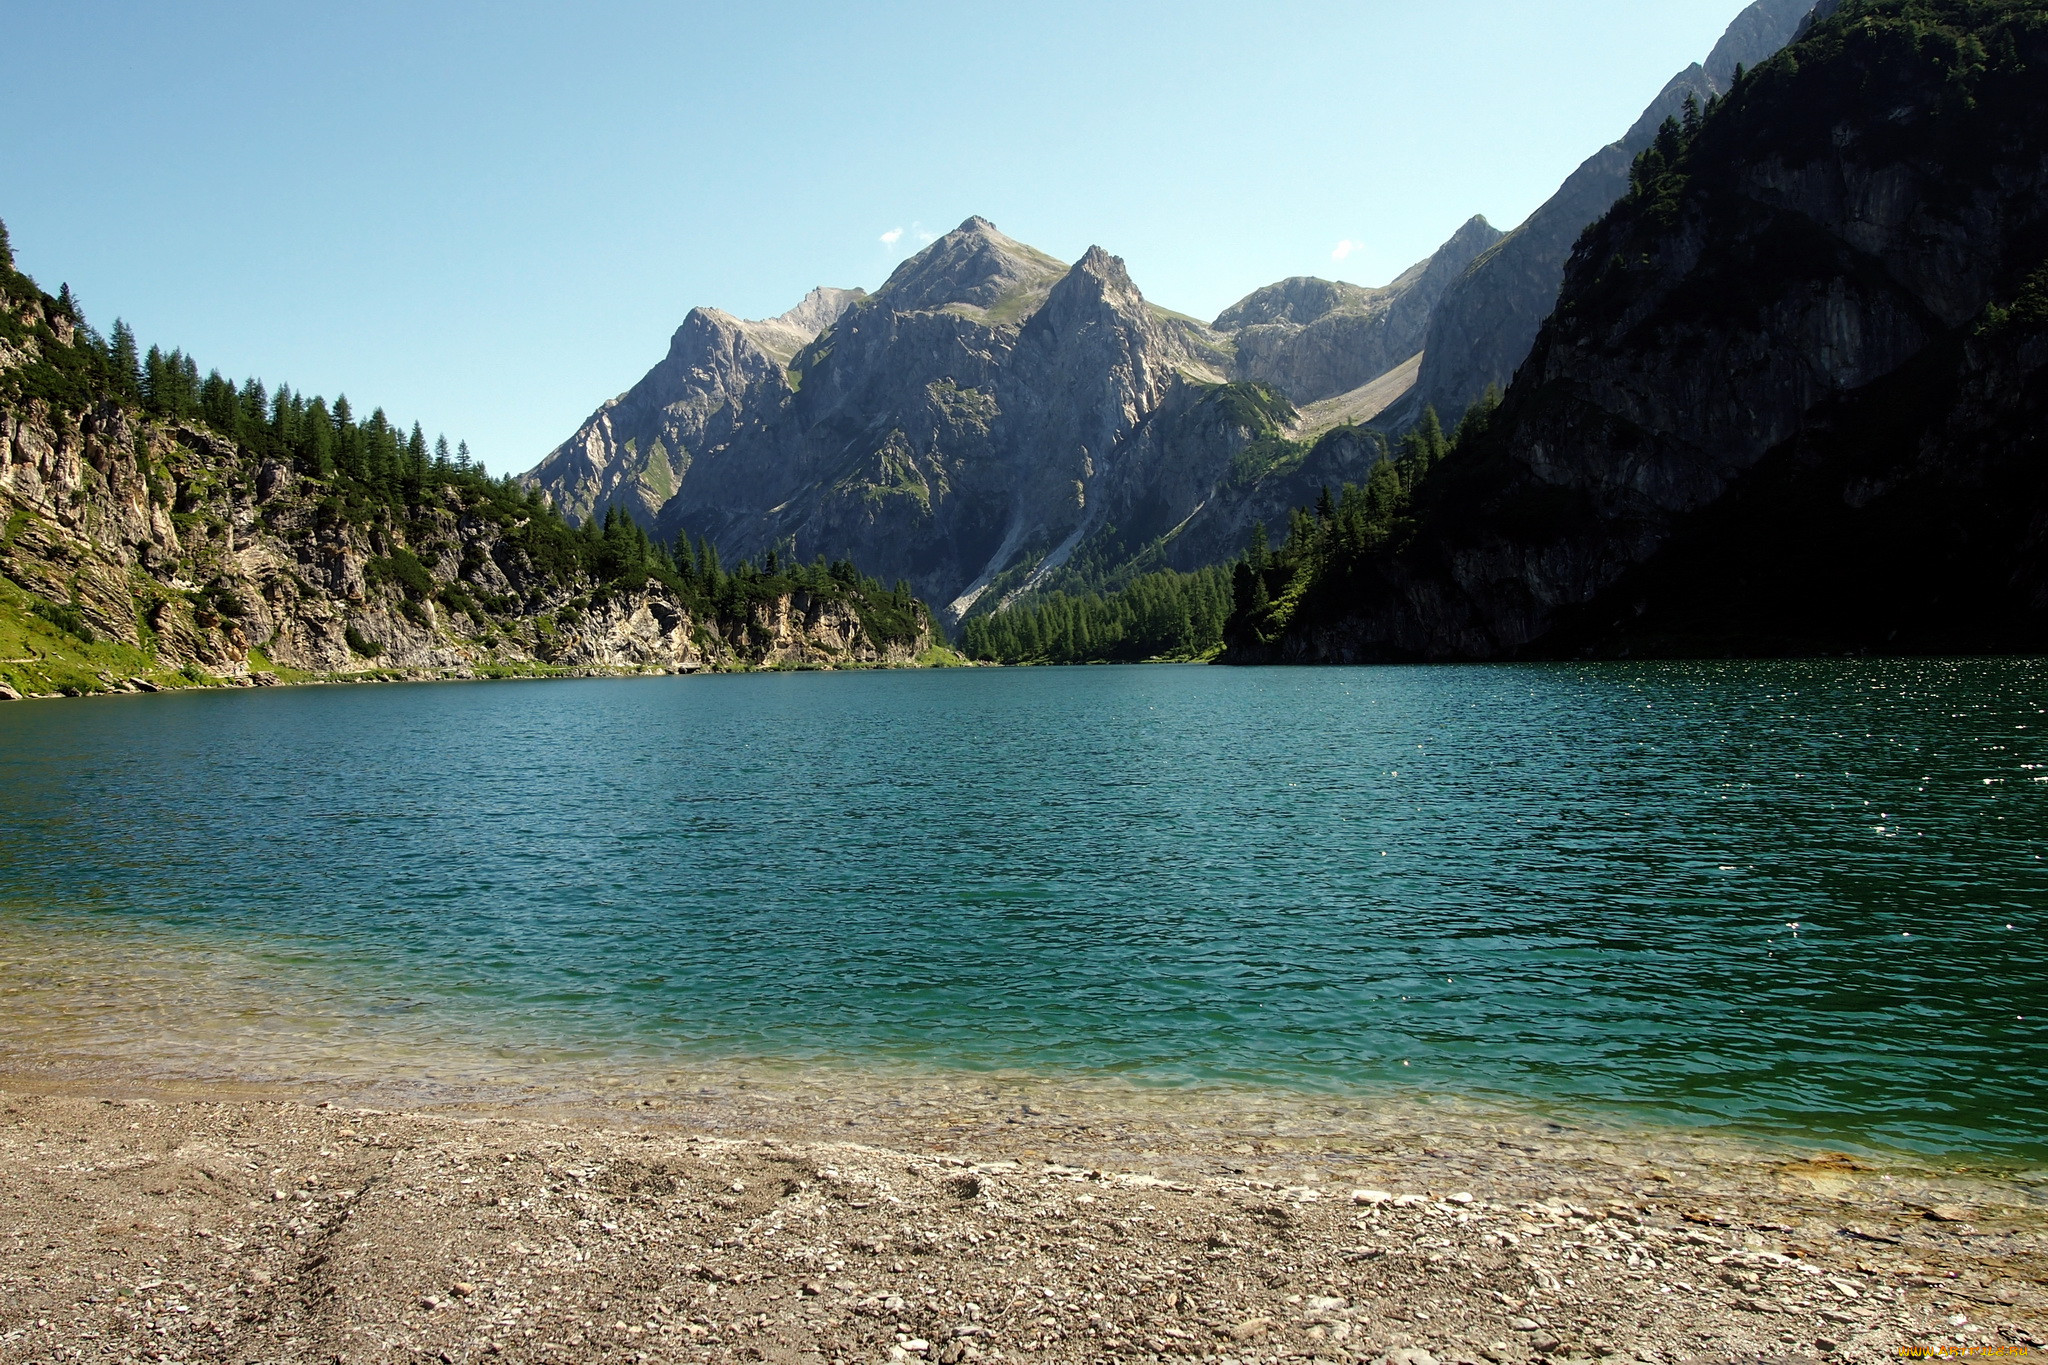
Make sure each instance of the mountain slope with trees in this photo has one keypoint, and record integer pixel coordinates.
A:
(1791, 399)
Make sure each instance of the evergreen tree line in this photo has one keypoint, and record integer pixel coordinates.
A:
(376, 456)
(1328, 542)
(617, 549)
(372, 470)
(1165, 615)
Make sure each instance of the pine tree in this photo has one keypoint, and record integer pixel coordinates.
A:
(317, 443)
(283, 429)
(127, 369)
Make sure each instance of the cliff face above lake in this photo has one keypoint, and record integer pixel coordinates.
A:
(139, 544)
(1792, 394)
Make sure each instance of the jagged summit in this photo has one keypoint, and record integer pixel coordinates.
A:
(786, 334)
(820, 309)
(973, 267)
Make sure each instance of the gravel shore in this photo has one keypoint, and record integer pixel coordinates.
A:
(977, 1224)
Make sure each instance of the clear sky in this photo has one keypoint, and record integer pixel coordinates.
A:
(488, 217)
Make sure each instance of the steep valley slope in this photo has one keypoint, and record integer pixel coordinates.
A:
(1792, 397)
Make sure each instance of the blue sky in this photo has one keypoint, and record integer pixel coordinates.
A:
(489, 217)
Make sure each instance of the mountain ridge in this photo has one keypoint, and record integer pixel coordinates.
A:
(981, 409)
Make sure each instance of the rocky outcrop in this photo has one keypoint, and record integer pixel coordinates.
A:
(635, 450)
(1791, 395)
(1313, 339)
(1482, 328)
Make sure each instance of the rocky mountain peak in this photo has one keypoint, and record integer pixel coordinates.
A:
(784, 335)
(820, 309)
(1475, 231)
(1299, 299)
(973, 267)
(1106, 275)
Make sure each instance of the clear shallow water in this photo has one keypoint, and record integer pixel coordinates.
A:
(1575, 885)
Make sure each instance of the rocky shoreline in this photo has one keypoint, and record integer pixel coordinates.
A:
(976, 1220)
(534, 673)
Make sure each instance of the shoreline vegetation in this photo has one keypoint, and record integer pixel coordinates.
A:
(60, 668)
(799, 1216)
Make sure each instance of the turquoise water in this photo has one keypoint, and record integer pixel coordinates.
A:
(1792, 898)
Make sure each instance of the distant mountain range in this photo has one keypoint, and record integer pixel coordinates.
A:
(993, 420)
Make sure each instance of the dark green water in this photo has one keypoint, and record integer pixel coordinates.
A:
(1792, 898)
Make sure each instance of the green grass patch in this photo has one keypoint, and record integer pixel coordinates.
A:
(943, 656)
(40, 655)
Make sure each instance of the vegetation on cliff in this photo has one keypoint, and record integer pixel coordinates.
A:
(1118, 598)
(161, 528)
(1330, 545)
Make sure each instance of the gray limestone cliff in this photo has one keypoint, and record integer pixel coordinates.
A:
(139, 552)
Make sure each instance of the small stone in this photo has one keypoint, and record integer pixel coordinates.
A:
(1370, 1197)
(1251, 1329)
(462, 1289)
(1826, 1345)
(1948, 1213)
(1546, 1343)
(1497, 1351)
(1410, 1355)
(9, 694)
(812, 1289)
(428, 1301)
(1523, 1324)
(1461, 1197)
(739, 1187)
(1324, 1303)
